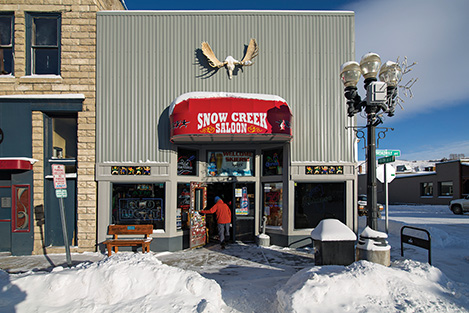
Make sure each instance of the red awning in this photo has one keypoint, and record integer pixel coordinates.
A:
(220, 117)
(17, 163)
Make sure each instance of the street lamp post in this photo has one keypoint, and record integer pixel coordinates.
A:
(380, 98)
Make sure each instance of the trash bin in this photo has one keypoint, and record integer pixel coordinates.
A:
(334, 243)
(373, 246)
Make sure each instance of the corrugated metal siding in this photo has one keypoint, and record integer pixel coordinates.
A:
(146, 59)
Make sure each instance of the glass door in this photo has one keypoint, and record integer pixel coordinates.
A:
(244, 209)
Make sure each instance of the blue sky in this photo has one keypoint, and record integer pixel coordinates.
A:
(433, 33)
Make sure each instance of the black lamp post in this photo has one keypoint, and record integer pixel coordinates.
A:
(380, 98)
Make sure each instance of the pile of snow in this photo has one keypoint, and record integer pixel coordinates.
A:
(125, 282)
(406, 286)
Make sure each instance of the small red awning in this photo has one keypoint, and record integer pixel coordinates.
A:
(20, 163)
(220, 117)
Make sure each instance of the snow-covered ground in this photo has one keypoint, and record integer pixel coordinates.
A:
(247, 278)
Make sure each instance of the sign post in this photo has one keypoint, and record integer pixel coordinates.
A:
(386, 174)
(60, 185)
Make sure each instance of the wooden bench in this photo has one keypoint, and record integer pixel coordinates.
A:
(117, 230)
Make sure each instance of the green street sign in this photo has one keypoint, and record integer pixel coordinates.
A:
(384, 153)
(61, 193)
(387, 159)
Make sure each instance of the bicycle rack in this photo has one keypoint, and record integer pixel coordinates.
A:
(416, 241)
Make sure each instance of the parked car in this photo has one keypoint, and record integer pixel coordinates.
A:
(459, 206)
(362, 210)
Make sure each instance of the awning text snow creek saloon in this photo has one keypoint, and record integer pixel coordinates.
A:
(207, 117)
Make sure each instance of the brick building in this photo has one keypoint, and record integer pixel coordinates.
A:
(47, 116)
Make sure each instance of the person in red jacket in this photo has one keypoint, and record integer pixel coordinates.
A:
(223, 214)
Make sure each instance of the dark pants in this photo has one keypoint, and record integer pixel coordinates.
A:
(224, 232)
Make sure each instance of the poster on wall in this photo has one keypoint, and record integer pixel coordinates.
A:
(230, 163)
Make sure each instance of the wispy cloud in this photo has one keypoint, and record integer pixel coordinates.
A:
(433, 33)
(437, 152)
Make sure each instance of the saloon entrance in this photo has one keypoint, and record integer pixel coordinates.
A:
(241, 201)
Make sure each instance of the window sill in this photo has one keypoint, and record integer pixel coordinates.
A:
(41, 78)
(7, 79)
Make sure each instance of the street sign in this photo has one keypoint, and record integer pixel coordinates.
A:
(60, 185)
(61, 193)
(58, 172)
(386, 152)
(387, 159)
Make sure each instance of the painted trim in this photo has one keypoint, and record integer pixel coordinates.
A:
(15, 164)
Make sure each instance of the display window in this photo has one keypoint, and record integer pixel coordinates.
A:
(138, 204)
(230, 163)
(273, 203)
(272, 162)
(317, 201)
(187, 162)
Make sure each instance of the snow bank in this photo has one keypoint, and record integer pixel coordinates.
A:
(406, 286)
(125, 282)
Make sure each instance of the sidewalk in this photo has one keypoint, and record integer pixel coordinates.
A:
(24, 263)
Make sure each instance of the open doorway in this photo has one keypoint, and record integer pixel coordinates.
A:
(225, 192)
(241, 201)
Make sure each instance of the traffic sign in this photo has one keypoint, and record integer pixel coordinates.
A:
(386, 175)
(58, 173)
(387, 159)
(386, 152)
(61, 193)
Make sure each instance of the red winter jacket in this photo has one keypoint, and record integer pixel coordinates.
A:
(222, 211)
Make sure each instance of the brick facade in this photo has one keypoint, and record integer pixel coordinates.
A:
(78, 72)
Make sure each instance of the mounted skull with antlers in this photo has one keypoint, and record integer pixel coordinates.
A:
(230, 62)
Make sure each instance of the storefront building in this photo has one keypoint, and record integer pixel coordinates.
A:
(47, 116)
(176, 126)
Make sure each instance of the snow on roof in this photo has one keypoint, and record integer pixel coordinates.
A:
(333, 230)
(203, 94)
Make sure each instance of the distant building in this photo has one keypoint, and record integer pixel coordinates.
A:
(422, 182)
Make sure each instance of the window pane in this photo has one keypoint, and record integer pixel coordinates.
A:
(230, 163)
(5, 30)
(272, 162)
(273, 203)
(64, 137)
(317, 201)
(138, 204)
(6, 61)
(45, 32)
(183, 206)
(46, 61)
(426, 189)
(187, 162)
(6, 44)
(446, 188)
